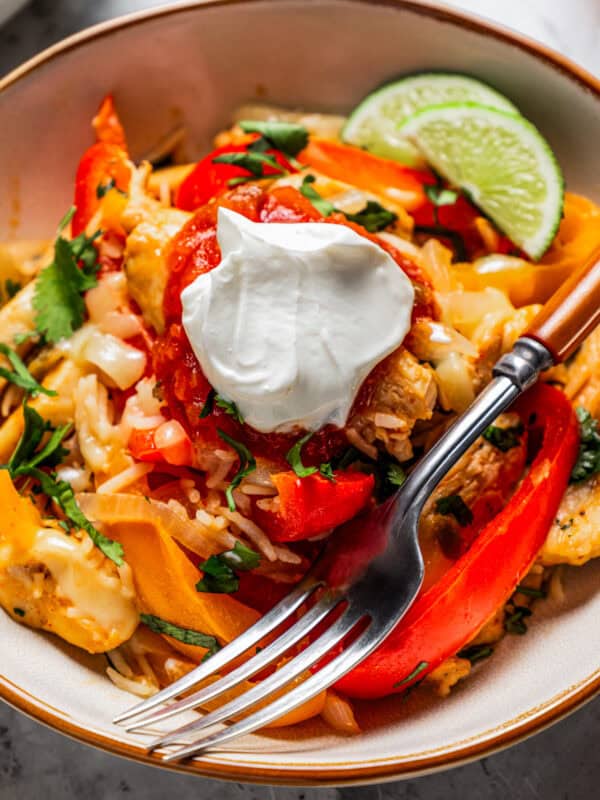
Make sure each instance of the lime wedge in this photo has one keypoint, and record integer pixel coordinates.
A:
(501, 161)
(374, 123)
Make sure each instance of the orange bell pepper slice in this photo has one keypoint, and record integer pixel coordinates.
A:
(165, 582)
(388, 179)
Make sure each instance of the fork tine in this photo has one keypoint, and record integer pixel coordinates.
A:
(324, 678)
(293, 669)
(277, 648)
(262, 628)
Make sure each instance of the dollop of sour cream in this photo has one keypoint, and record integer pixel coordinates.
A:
(294, 318)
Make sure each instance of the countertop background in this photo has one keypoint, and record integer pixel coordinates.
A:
(559, 764)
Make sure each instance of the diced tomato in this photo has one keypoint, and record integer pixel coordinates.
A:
(313, 505)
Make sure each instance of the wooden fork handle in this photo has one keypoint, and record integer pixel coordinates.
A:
(570, 314)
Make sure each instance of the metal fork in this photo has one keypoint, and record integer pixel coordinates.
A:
(370, 570)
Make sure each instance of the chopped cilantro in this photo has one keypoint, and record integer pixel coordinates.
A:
(289, 137)
(229, 408)
(185, 635)
(588, 460)
(453, 505)
(530, 591)
(209, 404)
(28, 461)
(323, 206)
(476, 653)
(373, 217)
(247, 465)
(254, 162)
(503, 439)
(514, 621)
(24, 336)
(422, 665)
(19, 612)
(20, 375)
(396, 475)
(220, 570)
(294, 458)
(58, 300)
(326, 470)
(456, 240)
(11, 288)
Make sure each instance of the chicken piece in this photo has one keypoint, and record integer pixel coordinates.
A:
(59, 582)
(574, 537)
(145, 263)
(582, 375)
(448, 674)
(403, 392)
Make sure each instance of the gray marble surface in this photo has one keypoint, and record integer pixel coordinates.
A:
(559, 764)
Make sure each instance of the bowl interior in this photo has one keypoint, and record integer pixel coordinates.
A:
(194, 65)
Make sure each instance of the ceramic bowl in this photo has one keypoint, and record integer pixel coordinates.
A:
(194, 63)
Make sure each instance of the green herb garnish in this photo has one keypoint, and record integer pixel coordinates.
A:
(503, 439)
(28, 461)
(515, 620)
(440, 231)
(530, 592)
(20, 375)
(58, 298)
(252, 161)
(440, 196)
(19, 612)
(220, 570)
(476, 653)
(289, 137)
(294, 458)
(373, 217)
(185, 635)
(229, 408)
(323, 206)
(422, 665)
(209, 404)
(247, 465)
(588, 459)
(396, 475)
(11, 288)
(453, 505)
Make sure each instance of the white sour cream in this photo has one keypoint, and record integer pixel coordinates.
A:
(294, 318)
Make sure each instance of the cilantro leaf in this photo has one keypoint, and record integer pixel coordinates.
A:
(294, 458)
(289, 137)
(247, 465)
(422, 665)
(230, 408)
(326, 470)
(209, 404)
(588, 459)
(324, 207)
(476, 652)
(453, 505)
(20, 375)
(396, 475)
(440, 196)
(220, 570)
(504, 439)
(241, 557)
(11, 288)
(27, 460)
(253, 162)
(58, 300)
(515, 620)
(185, 635)
(373, 217)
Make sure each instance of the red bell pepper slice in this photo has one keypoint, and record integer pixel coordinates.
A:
(208, 180)
(369, 172)
(103, 163)
(312, 505)
(168, 442)
(447, 616)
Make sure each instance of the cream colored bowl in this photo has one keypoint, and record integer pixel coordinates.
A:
(194, 63)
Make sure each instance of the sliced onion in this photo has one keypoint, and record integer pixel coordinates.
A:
(107, 296)
(436, 261)
(114, 508)
(433, 341)
(122, 324)
(120, 362)
(465, 310)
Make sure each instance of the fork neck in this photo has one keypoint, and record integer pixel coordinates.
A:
(513, 374)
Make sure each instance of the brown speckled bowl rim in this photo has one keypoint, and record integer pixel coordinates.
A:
(337, 773)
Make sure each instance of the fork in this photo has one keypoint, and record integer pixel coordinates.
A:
(370, 570)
